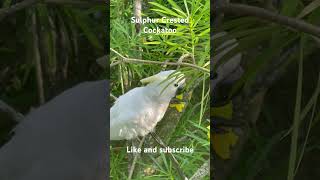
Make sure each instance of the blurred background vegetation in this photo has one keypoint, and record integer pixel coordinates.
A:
(191, 40)
(276, 98)
(46, 48)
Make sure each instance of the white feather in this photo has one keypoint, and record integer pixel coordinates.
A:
(138, 111)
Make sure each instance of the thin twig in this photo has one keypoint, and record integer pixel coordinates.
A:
(16, 116)
(17, 7)
(140, 61)
(317, 91)
(37, 58)
(296, 120)
(28, 3)
(133, 165)
(102, 61)
(76, 2)
(113, 97)
(264, 14)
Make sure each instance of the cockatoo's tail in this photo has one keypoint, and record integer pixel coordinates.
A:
(138, 111)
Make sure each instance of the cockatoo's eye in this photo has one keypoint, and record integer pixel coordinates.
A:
(176, 85)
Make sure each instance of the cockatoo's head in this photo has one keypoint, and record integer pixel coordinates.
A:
(166, 83)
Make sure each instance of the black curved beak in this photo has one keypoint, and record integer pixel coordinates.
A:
(180, 89)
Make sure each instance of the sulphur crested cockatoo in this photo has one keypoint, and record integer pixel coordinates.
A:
(138, 111)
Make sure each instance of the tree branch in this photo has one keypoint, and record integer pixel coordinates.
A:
(77, 2)
(140, 61)
(4, 12)
(17, 7)
(264, 14)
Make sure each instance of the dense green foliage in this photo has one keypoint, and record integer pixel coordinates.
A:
(192, 38)
(282, 65)
(67, 39)
(64, 40)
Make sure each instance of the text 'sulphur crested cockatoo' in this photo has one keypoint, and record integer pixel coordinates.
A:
(137, 112)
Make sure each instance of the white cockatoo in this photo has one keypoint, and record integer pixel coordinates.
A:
(137, 112)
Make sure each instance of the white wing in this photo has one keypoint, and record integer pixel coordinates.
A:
(135, 114)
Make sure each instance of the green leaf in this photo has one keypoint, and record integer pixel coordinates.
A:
(205, 32)
(309, 8)
(153, 42)
(177, 8)
(171, 43)
(164, 10)
(261, 61)
(186, 6)
(256, 161)
(48, 36)
(289, 7)
(314, 16)
(83, 21)
(296, 121)
(172, 49)
(43, 15)
(245, 43)
(181, 12)
(6, 50)
(173, 4)
(6, 3)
